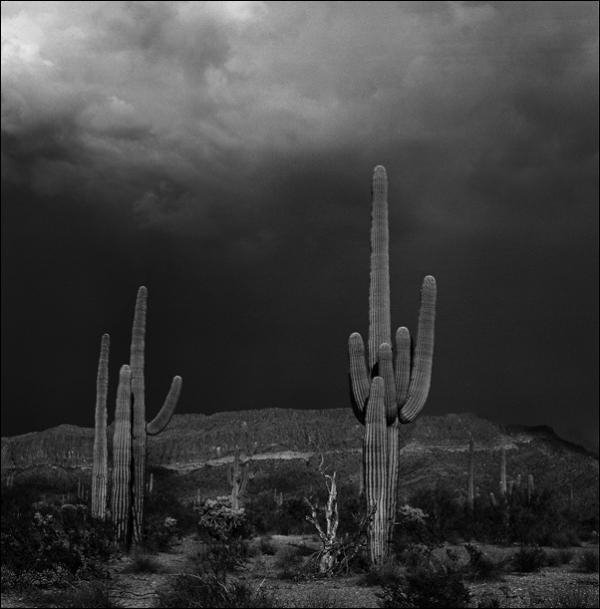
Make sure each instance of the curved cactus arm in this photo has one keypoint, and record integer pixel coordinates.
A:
(359, 375)
(386, 371)
(161, 420)
(420, 378)
(402, 365)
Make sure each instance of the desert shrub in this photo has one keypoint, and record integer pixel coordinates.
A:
(563, 539)
(434, 583)
(446, 516)
(218, 520)
(481, 567)
(42, 538)
(410, 527)
(587, 562)
(529, 559)
(221, 557)
(267, 546)
(289, 561)
(166, 519)
(208, 590)
(142, 563)
(556, 558)
(387, 574)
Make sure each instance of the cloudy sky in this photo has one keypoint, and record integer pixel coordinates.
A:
(221, 154)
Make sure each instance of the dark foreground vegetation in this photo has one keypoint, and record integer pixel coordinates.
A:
(55, 555)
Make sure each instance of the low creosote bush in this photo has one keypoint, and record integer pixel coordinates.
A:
(529, 559)
(481, 567)
(430, 582)
(556, 558)
(587, 562)
(208, 590)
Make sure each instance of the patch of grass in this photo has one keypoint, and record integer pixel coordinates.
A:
(289, 561)
(573, 598)
(529, 559)
(142, 563)
(320, 598)
(86, 594)
(210, 591)
(587, 562)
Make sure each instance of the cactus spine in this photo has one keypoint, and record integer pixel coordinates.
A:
(100, 463)
(385, 392)
(471, 484)
(121, 487)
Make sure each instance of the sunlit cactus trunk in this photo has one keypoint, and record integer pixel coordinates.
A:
(387, 390)
(100, 462)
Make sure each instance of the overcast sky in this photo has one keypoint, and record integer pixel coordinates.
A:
(221, 154)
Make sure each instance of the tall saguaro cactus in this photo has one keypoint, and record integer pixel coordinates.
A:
(121, 473)
(140, 429)
(386, 390)
(100, 462)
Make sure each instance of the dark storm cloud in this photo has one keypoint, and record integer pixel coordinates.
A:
(221, 152)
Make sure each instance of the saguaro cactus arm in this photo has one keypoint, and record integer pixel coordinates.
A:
(420, 379)
(161, 420)
(402, 365)
(360, 381)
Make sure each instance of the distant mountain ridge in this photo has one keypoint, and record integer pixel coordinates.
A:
(433, 448)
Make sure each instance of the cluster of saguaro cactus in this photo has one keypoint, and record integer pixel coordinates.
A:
(387, 392)
(130, 431)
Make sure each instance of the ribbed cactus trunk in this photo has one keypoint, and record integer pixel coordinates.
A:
(386, 392)
(138, 400)
(100, 461)
(121, 486)
(471, 483)
(140, 428)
